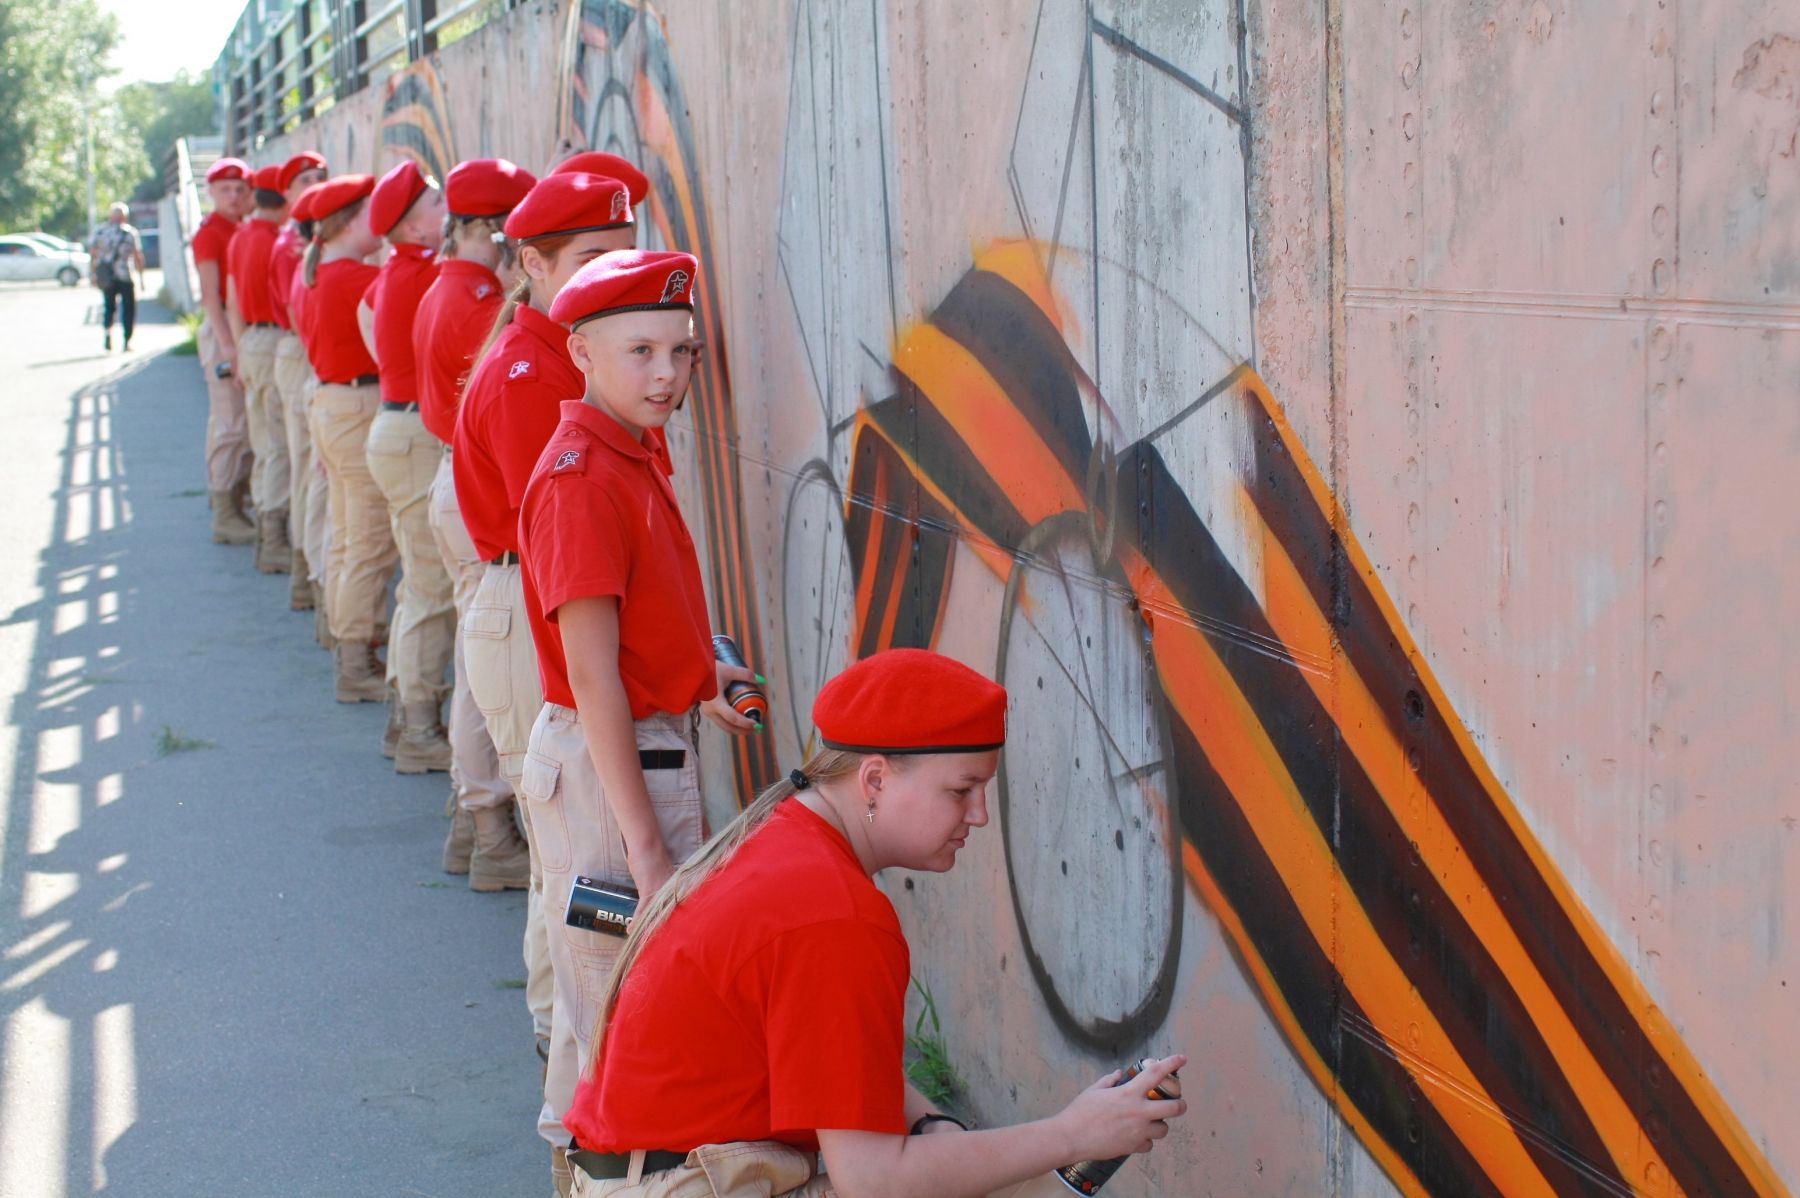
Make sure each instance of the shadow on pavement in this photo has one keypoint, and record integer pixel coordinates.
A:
(231, 928)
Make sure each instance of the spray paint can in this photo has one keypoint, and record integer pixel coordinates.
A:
(1086, 1177)
(746, 698)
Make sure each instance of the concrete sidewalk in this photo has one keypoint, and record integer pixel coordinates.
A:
(230, 962)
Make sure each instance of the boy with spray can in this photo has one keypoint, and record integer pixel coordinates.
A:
(618, 616)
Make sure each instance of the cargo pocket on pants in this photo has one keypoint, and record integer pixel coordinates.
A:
(541, 784)
(485, 633)
(593, 954)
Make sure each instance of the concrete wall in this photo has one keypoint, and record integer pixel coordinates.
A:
(1360, 437)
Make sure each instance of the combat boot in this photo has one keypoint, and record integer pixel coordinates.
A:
(229, 525)
(300, 587)
(273, 553)
(423, 747)
(360, 677)
(500, 860)
(461, 840)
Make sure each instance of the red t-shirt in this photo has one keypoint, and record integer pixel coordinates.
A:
(297, 294)
(334, 343)
(284, 264)
(212, 239)
(600, 518)
(395, 296)
(509, 410)
(771, 1004)
(454, 319)
(247, 262)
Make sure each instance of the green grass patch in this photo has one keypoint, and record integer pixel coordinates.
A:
(190, 493)
(510, 984)
(434, 884)
(191, 347)
(170, 740)
(928, 1065)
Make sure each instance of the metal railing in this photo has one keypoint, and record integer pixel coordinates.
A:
(287, 61)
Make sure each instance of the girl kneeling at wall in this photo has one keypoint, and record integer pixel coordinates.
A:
(757, 1013)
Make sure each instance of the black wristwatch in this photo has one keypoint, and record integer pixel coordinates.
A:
(919, 1124)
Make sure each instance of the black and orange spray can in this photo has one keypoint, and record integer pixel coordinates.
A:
(1086, 1177)
(746, 698)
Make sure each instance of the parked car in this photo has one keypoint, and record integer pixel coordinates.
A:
(25, 257)
(59, 244)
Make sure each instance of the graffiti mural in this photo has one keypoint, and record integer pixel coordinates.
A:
(1215, 695)
(1002, 314)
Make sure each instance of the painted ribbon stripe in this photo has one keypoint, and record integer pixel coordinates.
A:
(1204, 695)
(1419, 925)
(1368, 738)
(1301, 985)
(1691, 1128)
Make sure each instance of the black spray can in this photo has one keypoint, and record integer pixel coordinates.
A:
(1086, 1177)
(745, 697)
(601, 908)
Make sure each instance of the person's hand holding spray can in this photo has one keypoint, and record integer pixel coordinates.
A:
(1124, 1112)
(741, 706)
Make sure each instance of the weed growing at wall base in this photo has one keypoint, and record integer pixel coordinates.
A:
(169, 740)
(929, 1068)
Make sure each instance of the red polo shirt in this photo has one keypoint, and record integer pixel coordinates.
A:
(510, 408)
(600, 519)
(771, 1004)
(212, 239)
(247, 262)
(395, 296)
(284, 264)
(334, 343)
(298, 291)
(454, 318)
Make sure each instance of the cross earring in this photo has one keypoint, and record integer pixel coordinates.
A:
(870, 813)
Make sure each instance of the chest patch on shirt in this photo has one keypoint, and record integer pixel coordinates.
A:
(524, 368)
(483, 291)
(570, 461)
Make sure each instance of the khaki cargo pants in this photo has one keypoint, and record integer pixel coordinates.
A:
(294, 379)
(756, 1169)
(270, 484)
(403, 460)
(362, 555)
(575, 833)
(227, 426)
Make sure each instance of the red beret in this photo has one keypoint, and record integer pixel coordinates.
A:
(301, 209)
(267, 178)
(626, 281)
(334, 194)
(305, 160)
(228, 168)
(607, 166)
(394, 195)
(572, 203)
(486, 187)
(911, 701)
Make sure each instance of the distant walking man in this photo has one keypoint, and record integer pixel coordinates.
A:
(115, 251)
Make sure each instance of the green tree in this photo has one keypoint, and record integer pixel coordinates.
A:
(53, 55)
(159, 113)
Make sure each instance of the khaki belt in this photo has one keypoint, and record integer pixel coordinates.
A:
(609, 1166)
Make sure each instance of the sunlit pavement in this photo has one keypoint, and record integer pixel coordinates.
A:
(229, 963)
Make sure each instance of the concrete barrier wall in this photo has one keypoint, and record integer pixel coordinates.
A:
(1360, 438)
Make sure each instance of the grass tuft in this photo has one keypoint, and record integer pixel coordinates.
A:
(191, 347)
(929, 1067)
(510, 984)
(171, 741)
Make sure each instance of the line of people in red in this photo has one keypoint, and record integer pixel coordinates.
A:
(483, 412)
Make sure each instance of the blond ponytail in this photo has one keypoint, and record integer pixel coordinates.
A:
(824, 766)
(323, 232)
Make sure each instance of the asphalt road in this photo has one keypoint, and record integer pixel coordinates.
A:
(229, 963)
